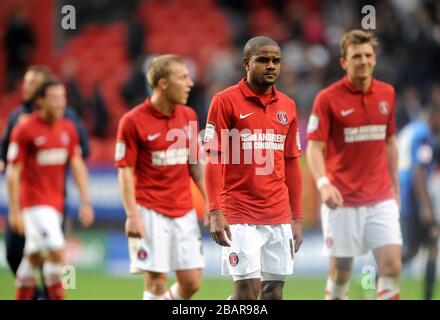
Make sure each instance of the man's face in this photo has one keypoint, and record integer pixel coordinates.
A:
(359, 61)
(263, 67)
(32, 80)
(178, 84)
(54, 102)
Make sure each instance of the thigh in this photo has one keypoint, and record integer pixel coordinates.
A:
(343, 230)
(186, 248)
(383, 225)
(243, 257)
(277, 253)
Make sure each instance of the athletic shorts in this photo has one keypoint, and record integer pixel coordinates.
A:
(257, 249)
(42, 229)
(353, 231)
(170, 244)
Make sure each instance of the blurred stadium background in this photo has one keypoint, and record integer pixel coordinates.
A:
(103, 62)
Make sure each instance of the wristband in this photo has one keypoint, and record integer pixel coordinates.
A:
(322, 182)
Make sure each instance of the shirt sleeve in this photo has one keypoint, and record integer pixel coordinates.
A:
(218, 119)
(391, 125)
(318, 127)
(18, 146)
(126, 143)
(293, 140)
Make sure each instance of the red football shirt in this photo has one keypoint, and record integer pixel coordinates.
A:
(355, 127)
(44, 150)
(254, 138)
(159, 148)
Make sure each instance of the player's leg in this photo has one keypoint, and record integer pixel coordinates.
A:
(155, 284)
(431, 263)
(388, 259)
(26, 276)
(188, 283)
(343, 230)
(383, 235)
(277, 256)
(338, 279)
(52, 274)
(242, 261)
(186, 255)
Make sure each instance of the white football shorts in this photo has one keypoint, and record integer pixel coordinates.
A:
(42, 229)
(170, 244)
(258, 250)
(353, 231)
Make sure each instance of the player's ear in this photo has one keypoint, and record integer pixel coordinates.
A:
(343, 63)
(245, 63)
(162, 84)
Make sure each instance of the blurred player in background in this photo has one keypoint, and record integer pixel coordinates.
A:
(416, 165)
(41, 148)
(33, 78)
(253, 205)
(352, 154)
(154, 144)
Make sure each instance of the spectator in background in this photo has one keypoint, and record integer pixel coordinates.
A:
(74, 97)
(19, 42)
(100, 114)
(135, 89)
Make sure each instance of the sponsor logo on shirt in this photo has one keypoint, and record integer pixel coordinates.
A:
(51, 157)
(120, 150)
(347, 112)
(263, 141)
(40, 140)
(242, 116)
(152, 137)
(282, 117)
(365, 133)
(313, 124)
(170, 157)
(384, 108)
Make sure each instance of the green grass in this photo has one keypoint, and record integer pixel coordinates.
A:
(96, 285)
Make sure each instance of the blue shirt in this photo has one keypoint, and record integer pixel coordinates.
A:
(416, 148)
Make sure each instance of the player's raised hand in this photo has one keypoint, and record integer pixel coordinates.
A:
(220, 231)
(134, 227)
(331, 196)
(16, 222)
(297, 229)
(86, 215)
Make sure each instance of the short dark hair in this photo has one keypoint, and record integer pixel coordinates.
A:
(256, 42)
(42, 89)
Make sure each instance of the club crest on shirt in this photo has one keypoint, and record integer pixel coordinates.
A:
(329, 242)
(65, 139)
(384, 108)
(142, 254)
(282, 117)
(233, 259)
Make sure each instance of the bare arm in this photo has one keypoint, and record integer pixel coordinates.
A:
(423, 198)
(133, 225)
(393, 156)
(13, 173)
(80, 176)
(197, 173)
(330, 195)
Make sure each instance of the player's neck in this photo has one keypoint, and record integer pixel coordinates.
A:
(162, 104)
(362, 84)
(258, 89)
(46, 117)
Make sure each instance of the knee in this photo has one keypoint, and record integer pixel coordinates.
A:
(189, 287)
(246, 290)
(272, 291)
(36, 260)
(55, 256)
